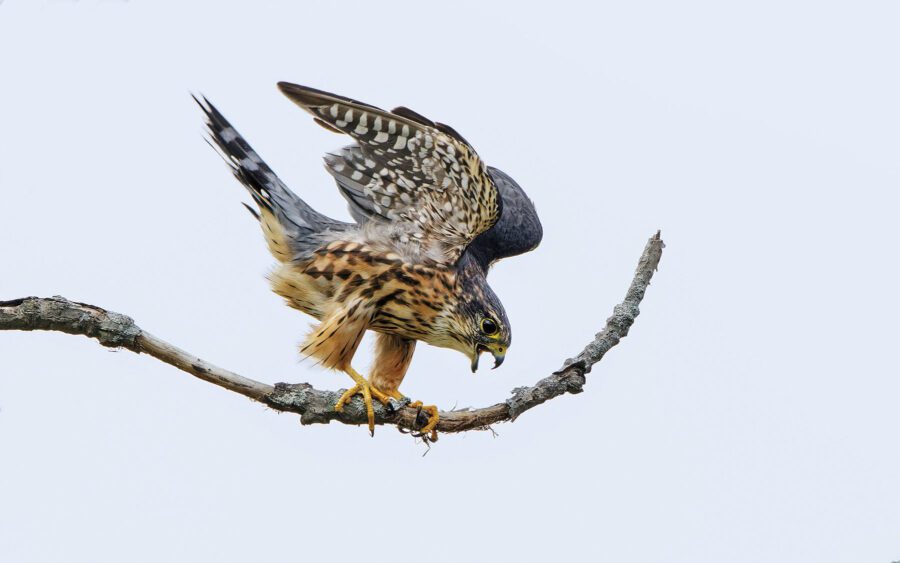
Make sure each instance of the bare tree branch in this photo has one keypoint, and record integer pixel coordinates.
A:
(315, 406)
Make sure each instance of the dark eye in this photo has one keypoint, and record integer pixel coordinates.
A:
(488, 326)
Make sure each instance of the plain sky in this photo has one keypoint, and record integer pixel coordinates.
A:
(751, 415)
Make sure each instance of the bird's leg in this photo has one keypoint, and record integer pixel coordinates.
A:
(393, 355)
(431, 410)
(367, 390)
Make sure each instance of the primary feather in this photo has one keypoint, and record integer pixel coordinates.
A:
(407, 169)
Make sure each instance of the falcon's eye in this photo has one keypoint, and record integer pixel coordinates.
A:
(489, 327)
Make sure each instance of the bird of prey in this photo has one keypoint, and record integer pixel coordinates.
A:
(429, 220)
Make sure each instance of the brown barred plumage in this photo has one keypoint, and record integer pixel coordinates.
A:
(411, 268)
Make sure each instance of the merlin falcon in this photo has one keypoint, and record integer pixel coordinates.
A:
(430, 218)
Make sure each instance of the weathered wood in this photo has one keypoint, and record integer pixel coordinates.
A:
(317, 406)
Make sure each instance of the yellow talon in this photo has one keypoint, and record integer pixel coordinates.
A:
(367, 390)
(432, 410)
(433, 418)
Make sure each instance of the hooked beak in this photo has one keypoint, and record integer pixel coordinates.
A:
(499, 356)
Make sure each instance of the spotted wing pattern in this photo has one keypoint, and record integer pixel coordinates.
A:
(407, 169)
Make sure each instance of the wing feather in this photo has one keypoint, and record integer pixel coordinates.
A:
(410, 169)
(518, 230)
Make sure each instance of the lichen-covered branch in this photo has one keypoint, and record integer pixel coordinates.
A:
(316, 406)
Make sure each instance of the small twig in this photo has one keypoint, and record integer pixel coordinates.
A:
(316, 406)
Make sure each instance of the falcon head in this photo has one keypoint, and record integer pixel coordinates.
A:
(476, 321)
(491, 335)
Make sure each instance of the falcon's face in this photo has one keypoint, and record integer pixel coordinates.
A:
(482, 323)
(473, 326)
(491, 335)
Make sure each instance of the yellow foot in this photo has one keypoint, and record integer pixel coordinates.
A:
(367, 391)
(431, 410)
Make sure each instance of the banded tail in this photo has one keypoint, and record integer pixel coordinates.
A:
(288, 223)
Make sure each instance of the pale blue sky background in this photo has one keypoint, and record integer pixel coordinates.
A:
(752, 414)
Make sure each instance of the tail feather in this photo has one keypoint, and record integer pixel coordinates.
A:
(290, 225)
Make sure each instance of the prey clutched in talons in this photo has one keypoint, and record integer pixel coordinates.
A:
(396, 404)
(427, 431)
(394, 401)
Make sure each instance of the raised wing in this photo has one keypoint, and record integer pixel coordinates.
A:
(407, 169)
(518, 231)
